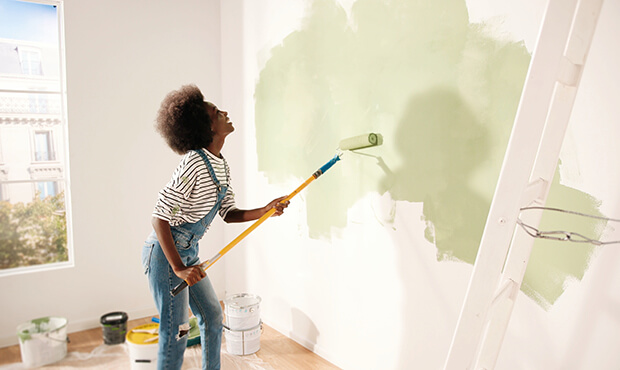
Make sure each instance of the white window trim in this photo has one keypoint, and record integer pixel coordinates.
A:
(65, 132)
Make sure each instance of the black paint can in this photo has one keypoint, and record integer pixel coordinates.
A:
(114, 327)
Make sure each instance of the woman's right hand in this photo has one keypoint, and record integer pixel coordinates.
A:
(191, 274)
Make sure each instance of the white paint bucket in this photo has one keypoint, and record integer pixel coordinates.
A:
(242, 311)
(43, 341)
(243, 342)
(143, 347)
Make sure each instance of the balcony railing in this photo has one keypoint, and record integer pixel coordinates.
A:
(30, 108)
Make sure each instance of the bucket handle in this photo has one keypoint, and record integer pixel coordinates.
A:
(47, 335)
(259, 324)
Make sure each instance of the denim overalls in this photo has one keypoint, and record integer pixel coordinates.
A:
(173, 311)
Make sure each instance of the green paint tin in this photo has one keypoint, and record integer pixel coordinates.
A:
(114, 326)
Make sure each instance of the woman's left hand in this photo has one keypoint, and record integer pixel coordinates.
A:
(278, 204)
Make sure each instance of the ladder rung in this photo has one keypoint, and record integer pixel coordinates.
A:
(534, 192)
(507, 290)
(569, 72)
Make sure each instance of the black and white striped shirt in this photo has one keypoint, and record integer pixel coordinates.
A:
(191, 192)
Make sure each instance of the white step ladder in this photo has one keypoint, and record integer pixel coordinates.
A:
(527, 172)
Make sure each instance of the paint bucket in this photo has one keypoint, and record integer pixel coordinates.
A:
(243, 342)
(242, 311)
(43, 341)
(143, 347)
(193, 337)
(114, 327)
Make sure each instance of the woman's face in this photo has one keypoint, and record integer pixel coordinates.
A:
(220, 123)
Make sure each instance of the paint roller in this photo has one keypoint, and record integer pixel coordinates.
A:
(351, 144)
(361, 142)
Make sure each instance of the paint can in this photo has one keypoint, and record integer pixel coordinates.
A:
(43, 341)
(243, 342)
(193, 337)
(143, 343)
(114, 327)
(242, 311)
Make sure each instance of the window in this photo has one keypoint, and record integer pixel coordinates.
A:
(30, 60)
(43, 146)
(46, 189)
(34, 197)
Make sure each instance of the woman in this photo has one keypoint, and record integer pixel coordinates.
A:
(198, 190)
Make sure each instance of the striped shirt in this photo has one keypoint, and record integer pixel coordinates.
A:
(191, 192)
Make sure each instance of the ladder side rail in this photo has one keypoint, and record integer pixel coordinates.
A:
(578, 45)
(522, 243)
(560, 111)
(513, 180)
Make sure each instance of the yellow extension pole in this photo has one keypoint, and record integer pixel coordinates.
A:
(357, 142)
(208, 263)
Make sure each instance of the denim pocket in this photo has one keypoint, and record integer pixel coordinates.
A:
(182, 239)
(147, 252)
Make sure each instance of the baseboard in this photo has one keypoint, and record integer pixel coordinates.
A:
(75, 326)
(310, 346)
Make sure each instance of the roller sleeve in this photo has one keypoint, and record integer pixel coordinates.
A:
(361, 141)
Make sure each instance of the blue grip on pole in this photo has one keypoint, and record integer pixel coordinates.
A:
(329, 164)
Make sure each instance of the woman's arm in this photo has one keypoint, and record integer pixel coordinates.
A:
(191, 274)
(242, 215)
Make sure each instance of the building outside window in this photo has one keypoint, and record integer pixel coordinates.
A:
(37, 103)
(35, 226)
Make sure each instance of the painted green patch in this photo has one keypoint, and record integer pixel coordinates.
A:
(40, 325)
(553, 263)
(442, 92)
(24, 335)
(41, 321)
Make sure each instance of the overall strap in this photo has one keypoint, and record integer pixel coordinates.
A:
(210, 168)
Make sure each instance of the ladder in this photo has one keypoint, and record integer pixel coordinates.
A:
(526, 175)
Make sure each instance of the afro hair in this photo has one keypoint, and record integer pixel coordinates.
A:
(183, 120)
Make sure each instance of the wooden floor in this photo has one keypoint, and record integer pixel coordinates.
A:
(276, 350)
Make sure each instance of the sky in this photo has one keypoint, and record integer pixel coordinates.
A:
(21, 20)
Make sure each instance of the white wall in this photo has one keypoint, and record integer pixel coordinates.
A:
(376, 297)
(122, 58)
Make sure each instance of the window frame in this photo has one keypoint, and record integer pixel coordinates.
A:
(61, 162)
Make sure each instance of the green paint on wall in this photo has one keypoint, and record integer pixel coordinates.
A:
(441, 142)
(554, 263)
(442, 92)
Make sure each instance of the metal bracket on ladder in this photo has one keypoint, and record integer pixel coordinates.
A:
(527, 172)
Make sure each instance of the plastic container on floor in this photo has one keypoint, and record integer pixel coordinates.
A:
(43, 341)
(143, 343)
(114, 327)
